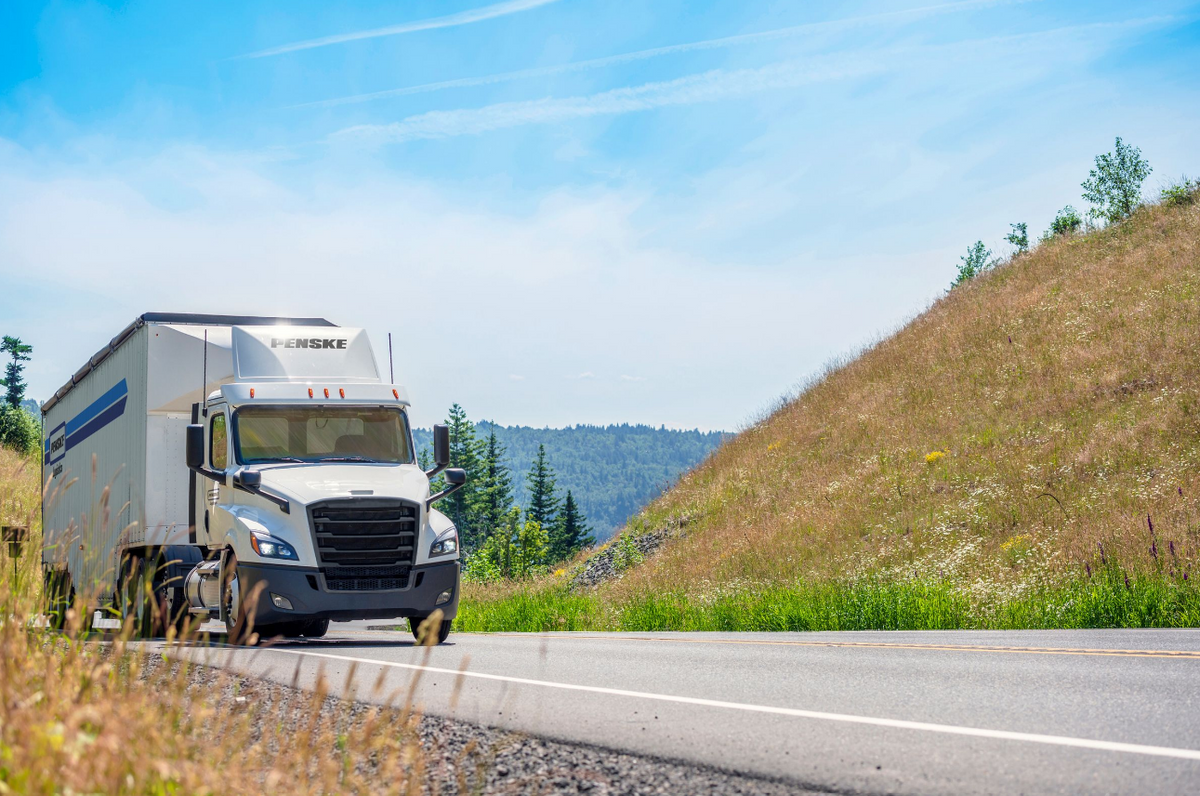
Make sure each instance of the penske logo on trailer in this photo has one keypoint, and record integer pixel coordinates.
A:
(97, 415)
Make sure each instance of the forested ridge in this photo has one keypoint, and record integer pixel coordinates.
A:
(612, 470)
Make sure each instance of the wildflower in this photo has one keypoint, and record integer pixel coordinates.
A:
(1171, 547)
(1127, 581)
(1150, 522)
(774, 446)
(934, 456)
(1103, 559)
(1088, 567)
(558, 573)
(1154, 549)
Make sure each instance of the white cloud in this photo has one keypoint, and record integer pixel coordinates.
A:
(515, 377)
(587, 374)
(626, 377)
(449, 21)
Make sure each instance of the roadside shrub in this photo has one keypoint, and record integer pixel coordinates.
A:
(19, 430)
(974, 262)
(1114, 186)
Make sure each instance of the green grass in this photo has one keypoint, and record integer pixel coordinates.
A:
(1109, 598)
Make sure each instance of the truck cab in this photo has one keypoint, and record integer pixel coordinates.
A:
(311, 493)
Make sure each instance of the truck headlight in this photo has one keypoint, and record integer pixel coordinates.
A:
(446, 544)
(268, 547)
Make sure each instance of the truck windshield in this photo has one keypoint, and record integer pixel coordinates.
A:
(265, 434)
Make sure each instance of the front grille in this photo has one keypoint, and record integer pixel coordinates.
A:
(365, 544)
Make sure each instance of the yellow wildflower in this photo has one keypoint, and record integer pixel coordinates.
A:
(934, 456)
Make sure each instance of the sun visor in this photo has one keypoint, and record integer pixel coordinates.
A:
(302, 353)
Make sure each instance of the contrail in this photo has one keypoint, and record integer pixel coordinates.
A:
(709, 44)
(453, 20)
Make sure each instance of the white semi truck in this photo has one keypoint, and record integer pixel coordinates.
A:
(252, 470)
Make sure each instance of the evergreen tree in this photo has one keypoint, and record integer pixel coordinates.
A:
(465, 452)
(495, 486)
(13, 383)
(543, 504)
(570, 532)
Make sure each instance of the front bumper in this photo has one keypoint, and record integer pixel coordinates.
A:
(305, 589)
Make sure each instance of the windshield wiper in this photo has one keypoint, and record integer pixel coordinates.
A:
(348, 459)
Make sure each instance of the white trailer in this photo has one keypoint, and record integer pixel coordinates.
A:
(256, 470)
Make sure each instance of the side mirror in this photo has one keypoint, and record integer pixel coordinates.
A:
(441, 449)
(455, 478)
(194, 454)
(441, 445)
(250, 479)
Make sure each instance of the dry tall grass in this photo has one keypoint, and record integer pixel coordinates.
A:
(1062, 392)
(1029, 419)
(85, 716)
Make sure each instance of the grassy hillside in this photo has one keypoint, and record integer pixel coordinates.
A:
(1024, 453)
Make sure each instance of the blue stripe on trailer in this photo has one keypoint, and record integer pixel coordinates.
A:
(98, 414)
(96, 423)
(120, 390)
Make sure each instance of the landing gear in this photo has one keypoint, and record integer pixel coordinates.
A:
(442, 629)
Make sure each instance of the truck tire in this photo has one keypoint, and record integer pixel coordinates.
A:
(58, 594)
(315, 628)
(443, 630)
(239, 628)
(142, 596)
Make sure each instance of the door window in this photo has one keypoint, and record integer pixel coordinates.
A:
(218, 445)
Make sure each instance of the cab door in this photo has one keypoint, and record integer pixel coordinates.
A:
(218, 495)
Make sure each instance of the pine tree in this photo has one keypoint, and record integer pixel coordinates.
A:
(570, 532)
(13, 383)
(465, 452)
(540, 481)
(495, 486)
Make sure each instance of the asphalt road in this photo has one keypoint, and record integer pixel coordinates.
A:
(920, 712)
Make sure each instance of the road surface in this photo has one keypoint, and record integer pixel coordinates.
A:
(914, 712)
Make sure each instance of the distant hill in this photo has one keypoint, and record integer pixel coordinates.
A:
(32, 407)
(613, 471)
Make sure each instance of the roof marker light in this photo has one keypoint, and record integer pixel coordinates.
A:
(310, 392)
(341, 392)
(326, 392)
(396, 394)
(251, 392)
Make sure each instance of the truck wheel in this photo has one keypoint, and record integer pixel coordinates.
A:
(236, 624)
(315, 628)
(58, 595)
(142, 597)
(443, 630)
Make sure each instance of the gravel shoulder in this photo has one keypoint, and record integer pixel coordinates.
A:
(464, 758)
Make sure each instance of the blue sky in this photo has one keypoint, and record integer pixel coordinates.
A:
(566, 211)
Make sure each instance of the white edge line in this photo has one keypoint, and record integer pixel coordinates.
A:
(948, 729)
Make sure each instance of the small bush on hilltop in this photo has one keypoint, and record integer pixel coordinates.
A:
(1114, 187)
(973, 263)
(1067, 222)
(1180, 194)
(1019, 237)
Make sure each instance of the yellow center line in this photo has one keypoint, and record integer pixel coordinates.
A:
(1116, 653)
